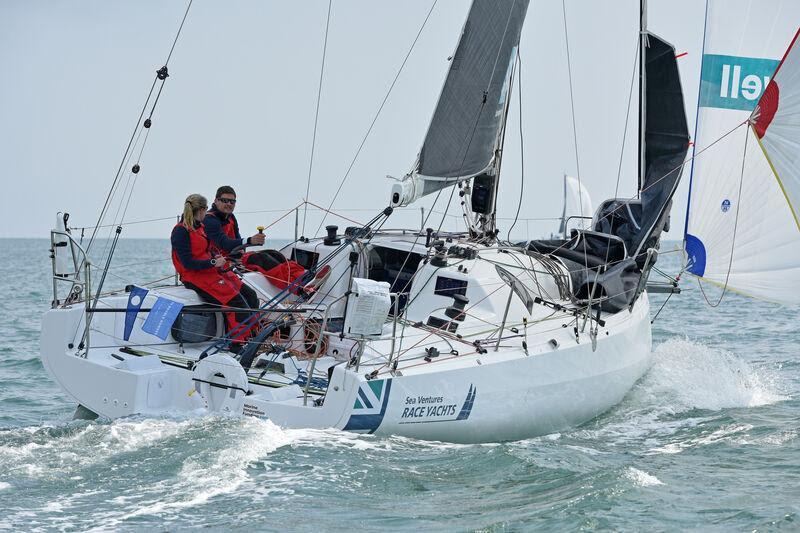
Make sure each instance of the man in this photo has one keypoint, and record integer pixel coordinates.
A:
(222, 229)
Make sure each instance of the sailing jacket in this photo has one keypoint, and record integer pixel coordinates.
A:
(191, 256)
(222, 231)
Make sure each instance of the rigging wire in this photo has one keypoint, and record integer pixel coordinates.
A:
(186, 13)
(627, 117)
(377, 114)
(316, 114)
(126, 155)
(572, 102)
(574, 125)
(666, 174)
(735, 227)
(521, 148)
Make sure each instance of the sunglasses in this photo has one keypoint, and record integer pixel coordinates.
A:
(231, 201)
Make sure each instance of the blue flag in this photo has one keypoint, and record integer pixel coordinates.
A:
(135, 300)
(161, 317)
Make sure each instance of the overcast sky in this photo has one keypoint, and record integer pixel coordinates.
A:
(238, 107)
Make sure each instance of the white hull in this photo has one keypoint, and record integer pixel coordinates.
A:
(494, 396)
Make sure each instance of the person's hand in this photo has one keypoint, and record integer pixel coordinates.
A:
(257, 239)
(221, 262)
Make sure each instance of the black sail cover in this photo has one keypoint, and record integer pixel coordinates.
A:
(469, 116)
(666, 139)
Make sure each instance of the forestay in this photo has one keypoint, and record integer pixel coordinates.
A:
(740, 232)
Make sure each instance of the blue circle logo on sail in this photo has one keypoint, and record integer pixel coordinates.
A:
(726, 205)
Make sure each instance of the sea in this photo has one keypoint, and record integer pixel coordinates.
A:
(707, 440)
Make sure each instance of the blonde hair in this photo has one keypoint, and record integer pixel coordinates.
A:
(194, 203)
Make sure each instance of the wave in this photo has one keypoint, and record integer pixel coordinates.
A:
(690, 375)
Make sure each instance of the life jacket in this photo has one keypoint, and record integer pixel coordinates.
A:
(228, 226)
(221, 285)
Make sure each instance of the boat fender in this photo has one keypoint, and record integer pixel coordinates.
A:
(222, 383)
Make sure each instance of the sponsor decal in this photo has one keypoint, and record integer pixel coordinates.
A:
(428, 409)
(732, 82)
(726, 205)
(370, 406)
(252, 410)
(161, 317)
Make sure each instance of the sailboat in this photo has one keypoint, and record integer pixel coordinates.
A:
(577, 209)
(741, 231)
(449, 336)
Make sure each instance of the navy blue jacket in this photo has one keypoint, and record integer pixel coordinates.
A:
(214, 224)
(183, 249)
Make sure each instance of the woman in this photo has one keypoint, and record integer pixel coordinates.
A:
(204, 274)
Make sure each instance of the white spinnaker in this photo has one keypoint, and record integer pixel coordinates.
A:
(777, 124)
(577, 203)
(746, 240)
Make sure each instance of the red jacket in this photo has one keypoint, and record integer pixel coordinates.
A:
(221, 285)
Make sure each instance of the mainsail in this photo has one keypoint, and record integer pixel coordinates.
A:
(740, 230)
(466, 129)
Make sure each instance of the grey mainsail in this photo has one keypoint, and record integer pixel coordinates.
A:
(469, 117)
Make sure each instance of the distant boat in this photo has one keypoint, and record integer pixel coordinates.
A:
(577, 211)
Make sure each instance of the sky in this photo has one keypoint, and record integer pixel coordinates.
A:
(239, 107)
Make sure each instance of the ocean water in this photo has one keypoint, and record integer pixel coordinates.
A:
(708, 439)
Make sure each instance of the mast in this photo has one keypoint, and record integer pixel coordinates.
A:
(642, 90)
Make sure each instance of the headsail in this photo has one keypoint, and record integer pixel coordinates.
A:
(776, 121)
(466, 128)
(666, 139)
(740, 231)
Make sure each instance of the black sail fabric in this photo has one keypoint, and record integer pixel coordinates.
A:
(469, 116)
(666, 139)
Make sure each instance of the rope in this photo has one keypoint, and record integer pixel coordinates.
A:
(136, 130)
(627, 116)
(377, 114)
(574, 122)
(735, 227)
(179, 33)
(316, 114)
(111, 191)
(662, 307)
(732, 130)
(521, 149)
